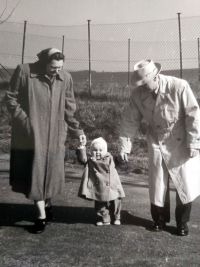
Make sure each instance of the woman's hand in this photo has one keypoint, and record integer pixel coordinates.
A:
(82, 140)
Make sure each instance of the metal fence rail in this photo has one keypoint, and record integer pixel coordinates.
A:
(113, 48)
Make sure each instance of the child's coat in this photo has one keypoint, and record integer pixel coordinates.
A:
(100, 180)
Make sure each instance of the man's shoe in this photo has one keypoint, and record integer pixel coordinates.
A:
(49, 214)
(39, 226)
(182, 229)
(158, 226)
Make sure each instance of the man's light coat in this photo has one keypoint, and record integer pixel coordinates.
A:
(174, 127)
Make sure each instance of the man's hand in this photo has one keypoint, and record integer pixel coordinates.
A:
(122, 157)
(193, 152)
(82, 140)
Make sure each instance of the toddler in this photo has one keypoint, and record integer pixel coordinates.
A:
(100, 182)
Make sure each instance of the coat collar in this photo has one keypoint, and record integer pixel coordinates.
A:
(163, 88)
(36, 69)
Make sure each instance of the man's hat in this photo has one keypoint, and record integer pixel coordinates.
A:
(144, 71)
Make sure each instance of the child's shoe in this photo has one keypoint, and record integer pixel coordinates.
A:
(117, 222)
(102, 223)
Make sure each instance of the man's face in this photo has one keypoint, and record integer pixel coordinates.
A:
(151, 85)
(98, 150)
(54, 67)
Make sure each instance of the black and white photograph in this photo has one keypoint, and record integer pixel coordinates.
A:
(99, 133)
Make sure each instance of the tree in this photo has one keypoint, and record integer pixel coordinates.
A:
(1, 15)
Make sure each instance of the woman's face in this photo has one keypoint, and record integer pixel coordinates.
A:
(53, 67)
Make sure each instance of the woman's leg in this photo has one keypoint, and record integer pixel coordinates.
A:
(48, 202)
(40, 206)
(48, 211)
(40, 223)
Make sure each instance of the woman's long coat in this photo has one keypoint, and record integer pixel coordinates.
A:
(100, 180)
(42, 111)
(174, 127)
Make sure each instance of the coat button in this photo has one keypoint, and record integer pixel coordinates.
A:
(107, 184)
(97, 182)
(107, 171)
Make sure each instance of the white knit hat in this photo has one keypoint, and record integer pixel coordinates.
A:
(100, 140)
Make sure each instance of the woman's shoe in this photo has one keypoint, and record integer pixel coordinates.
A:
(49, 214)
(39, 226)
(158, 226)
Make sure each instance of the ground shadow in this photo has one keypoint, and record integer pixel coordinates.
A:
(12, 214)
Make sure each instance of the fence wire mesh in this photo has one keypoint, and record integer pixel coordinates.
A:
(110, 54)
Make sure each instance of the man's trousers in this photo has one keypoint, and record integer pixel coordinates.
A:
(182, 211)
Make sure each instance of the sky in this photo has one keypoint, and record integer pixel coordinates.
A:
(77, 12)
(113, 22)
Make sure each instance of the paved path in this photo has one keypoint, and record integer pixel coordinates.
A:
(74, 241)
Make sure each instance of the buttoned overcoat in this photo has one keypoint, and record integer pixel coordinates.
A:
(42, 111)
(100, 180)
(174, 127)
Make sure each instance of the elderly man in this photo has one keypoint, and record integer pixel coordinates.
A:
(173, 137)
(42, 105)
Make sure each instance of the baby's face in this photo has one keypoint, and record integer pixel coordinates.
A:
(98, 150)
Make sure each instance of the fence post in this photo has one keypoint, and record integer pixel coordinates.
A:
(198, 58)
(180, 44)
(24, 38)
(63, 43)
(89, 83)
(128, 61)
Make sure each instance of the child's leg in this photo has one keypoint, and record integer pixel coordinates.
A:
(102, 210)
(115, 207)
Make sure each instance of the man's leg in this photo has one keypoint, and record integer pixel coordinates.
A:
(161, 215)
(103, 211)
(182, 214)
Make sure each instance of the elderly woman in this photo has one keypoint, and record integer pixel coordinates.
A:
(41, 103)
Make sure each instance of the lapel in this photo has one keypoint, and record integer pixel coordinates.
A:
(163, 93)
(147, 99)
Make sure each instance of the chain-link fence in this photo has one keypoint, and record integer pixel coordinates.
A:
(115, 48)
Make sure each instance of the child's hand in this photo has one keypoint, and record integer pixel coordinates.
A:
(81, 146)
